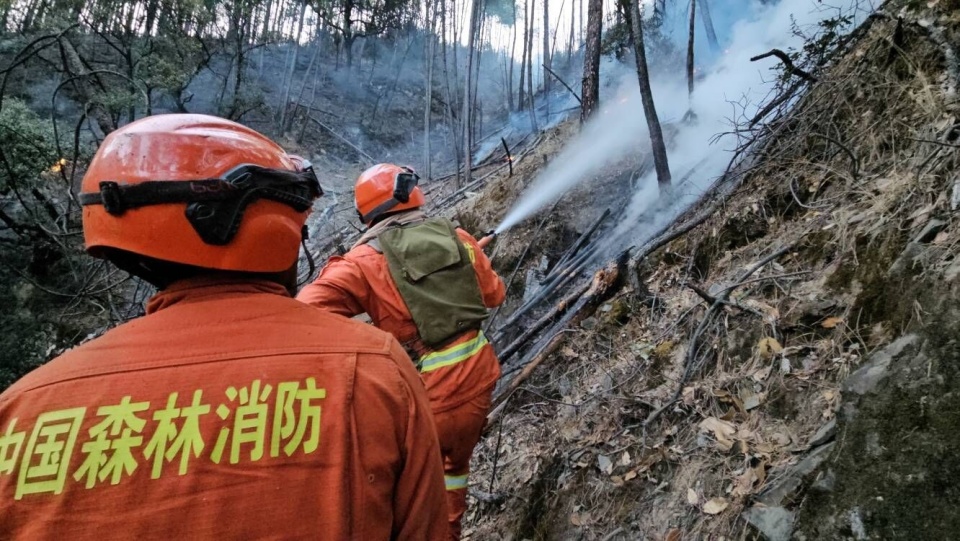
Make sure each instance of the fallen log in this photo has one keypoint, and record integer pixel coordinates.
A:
(605, 283)
(581, 241)
(561, 279)
(537, 326)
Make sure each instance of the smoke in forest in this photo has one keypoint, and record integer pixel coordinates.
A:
(727, 91)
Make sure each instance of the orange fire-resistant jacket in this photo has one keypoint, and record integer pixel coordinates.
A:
(230, 411)
(360, 282)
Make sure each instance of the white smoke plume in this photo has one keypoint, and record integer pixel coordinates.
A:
(732, 88)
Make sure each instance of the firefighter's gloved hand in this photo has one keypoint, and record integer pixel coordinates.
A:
(486, 240)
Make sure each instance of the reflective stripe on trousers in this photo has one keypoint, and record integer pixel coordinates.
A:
(455, 482)
(453, 355)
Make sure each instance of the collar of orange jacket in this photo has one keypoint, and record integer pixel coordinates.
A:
(200, 287)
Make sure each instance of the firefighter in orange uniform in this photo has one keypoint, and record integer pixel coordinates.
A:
(230, 411)
(429, 284)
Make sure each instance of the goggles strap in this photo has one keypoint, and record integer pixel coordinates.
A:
(215, 207)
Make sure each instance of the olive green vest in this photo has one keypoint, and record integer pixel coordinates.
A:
(435, 277)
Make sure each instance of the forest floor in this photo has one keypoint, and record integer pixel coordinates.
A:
(787, 368)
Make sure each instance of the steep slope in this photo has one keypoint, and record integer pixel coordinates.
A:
(786, 368)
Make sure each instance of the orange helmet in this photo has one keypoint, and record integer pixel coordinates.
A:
(386, 188)
(197, 190)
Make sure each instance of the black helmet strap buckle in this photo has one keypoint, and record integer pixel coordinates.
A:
(215, 207)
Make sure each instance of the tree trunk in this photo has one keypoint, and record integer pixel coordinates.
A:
(348, 34)
(693, 14)
(152, 7)
(427, 154)
(546, 56)
(303, 85)
(646, 96)
(266, 20)
(708, 25)
(86, 92)
(583, 29)
(288, 77)
(530, 94)
(513, 50)
(467, 88)
(591, 60)
(523, 56)
(449, 109)
(573, 18)
(477, 108)
(263, 36)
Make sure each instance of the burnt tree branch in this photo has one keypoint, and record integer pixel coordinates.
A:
(564, 83)
(787, 62)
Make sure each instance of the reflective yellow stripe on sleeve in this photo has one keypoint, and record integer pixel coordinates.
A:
(455, 482)
(453, 355)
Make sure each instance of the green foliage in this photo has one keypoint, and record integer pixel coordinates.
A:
(817, 45)
(27, 146)
(830, 30)
(34, 257)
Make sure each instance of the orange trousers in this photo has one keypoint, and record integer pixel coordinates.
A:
(459, 430)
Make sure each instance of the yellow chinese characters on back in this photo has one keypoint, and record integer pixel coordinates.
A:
(113, 448)
(230, 410)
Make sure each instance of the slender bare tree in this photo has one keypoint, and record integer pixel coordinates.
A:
(546, 55)
(693, 13)
(646, 96)
(591, 60)
(431, 17)
(468, 93)
(708, 25)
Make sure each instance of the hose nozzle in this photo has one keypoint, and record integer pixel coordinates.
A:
(487, 239)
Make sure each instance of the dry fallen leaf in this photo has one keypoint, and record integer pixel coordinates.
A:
(750, 400)
(764, 448)
(715, 506)
(721, 430)
(688, 395)
(743, 485)
(769, 348)
(605, 464)
(692, 497)
(632, 474)
(781, 439)
(760, 472)
(673, 535)
(762, 374)
(740, 447)
(831, 322)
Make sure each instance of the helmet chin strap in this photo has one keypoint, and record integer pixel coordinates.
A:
(304, 235)
(379, 210)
